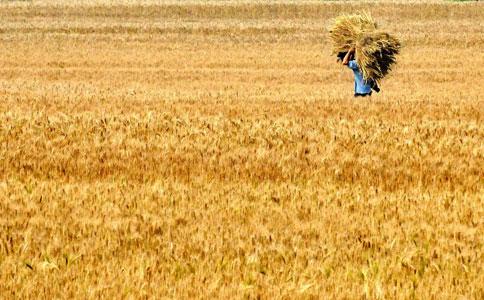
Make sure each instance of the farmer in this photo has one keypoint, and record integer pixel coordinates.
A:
(362, 87)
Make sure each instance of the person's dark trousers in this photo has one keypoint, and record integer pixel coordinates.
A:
(362, 95)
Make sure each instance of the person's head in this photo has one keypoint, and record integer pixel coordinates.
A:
(341, 55)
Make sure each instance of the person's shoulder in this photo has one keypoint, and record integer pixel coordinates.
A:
(353, 64)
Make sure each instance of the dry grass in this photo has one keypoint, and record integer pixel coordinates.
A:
(198, 150)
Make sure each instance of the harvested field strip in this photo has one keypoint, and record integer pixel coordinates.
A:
(247, 11)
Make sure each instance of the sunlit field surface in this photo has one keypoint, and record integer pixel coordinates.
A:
(215, 150)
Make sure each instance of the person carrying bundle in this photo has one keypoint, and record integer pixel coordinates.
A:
(363, 87)
(368, 52)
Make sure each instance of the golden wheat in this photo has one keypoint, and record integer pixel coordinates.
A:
(202, 150)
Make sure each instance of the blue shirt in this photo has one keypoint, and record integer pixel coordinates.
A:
(361, 86)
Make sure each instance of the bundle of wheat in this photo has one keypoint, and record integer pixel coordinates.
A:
(375, 51)
(346, 30)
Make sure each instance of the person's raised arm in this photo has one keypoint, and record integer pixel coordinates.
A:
(348, 55)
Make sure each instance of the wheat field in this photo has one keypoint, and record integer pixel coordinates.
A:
(214, 150)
